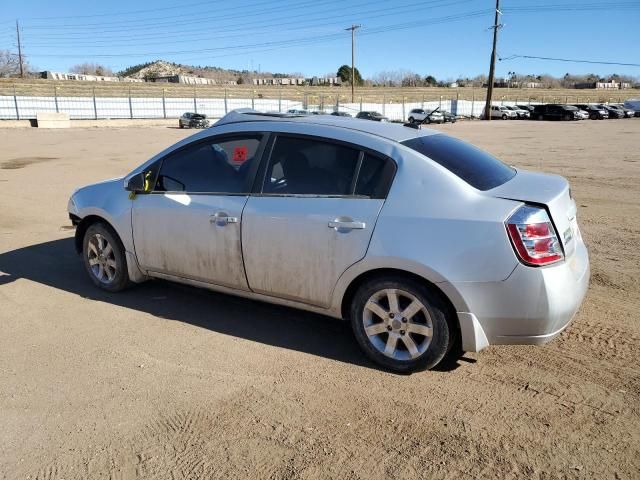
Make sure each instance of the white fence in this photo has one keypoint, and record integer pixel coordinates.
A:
(26, 107)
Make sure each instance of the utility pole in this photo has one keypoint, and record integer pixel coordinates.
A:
(19, 49)
(353, 29)
(496, 26)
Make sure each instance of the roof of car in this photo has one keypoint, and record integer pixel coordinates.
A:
(390, 131)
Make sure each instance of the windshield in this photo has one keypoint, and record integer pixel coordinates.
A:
(476, 167)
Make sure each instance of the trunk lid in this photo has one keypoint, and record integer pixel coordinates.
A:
(550, 191)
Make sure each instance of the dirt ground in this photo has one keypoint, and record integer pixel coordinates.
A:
(165, 381)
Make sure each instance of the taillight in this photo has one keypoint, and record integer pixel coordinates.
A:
(533, 236)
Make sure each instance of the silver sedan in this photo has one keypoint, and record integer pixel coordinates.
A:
(426, 244)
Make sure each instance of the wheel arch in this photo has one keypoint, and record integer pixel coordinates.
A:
(363, 277)
(136, 274)
(85, 223)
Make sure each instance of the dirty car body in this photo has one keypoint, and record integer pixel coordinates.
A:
(425, 243)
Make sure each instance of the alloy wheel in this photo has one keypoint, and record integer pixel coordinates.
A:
(397, 324)
(101, 258)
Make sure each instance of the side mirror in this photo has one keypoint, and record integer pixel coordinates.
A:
(135, 183)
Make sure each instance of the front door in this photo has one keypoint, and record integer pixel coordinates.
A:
(189, 225)
(319, 205)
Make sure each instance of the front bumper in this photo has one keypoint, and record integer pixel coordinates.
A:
(532, 306)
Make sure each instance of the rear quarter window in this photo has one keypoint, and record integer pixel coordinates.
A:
(476, 167)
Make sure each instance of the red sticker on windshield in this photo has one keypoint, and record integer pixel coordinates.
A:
(239, 155)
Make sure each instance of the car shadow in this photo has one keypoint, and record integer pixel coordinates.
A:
(56, 264)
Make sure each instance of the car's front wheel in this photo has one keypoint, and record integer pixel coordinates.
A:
(411, 119)
(104, 258)
(401, 324)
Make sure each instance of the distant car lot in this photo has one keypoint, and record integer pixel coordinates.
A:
(173, 380)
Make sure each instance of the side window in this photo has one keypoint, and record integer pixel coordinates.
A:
(375, 177)
(216, 166)
(310, 167)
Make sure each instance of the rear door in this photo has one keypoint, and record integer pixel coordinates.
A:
(313, 217)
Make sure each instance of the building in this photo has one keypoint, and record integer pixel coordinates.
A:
(313, 81)
(185, 79)
(610, 85)
(81, 77)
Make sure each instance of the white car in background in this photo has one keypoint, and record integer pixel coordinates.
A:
(500, 111)
(522, 113)
(420, 115)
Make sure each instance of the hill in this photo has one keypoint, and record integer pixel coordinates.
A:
(162, 68)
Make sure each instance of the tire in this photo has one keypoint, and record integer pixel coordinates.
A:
(411, 119)
(593, 116)
(181, 125)
(104, 258)
(504, 116)
(567, 117)
(412, 350)
(539, 117)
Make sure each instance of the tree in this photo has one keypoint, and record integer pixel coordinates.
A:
(10, 64)
(240, 80)
(88, 68)
(344, 72)
(430, 81)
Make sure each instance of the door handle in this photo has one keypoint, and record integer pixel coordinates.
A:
(222, 218)
(344, 225)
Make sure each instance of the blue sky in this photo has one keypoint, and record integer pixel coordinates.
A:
(444, 38)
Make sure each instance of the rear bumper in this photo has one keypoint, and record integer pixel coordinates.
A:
(532, 306)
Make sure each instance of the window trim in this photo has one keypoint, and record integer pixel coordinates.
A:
(251, 175)
(261, 178)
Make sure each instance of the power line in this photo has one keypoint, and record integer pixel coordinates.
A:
(224, 33)
(130, 12)
(83, 22)
(289, 42)
(595, 62)
(146, 24)
(242, 19)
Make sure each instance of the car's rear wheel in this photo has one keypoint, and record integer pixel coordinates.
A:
(104, 258)
(401, 324)
(567, 117)
(539, 117)
(411, 119)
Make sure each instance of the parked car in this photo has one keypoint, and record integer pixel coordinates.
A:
(345, 218)
(449, 117)
(633, 104)
(628, 113)
(595, 113)
(500, 111)
(193, 120)
(341, 114)
(555, 112)
(582, 114)
(520, 112)
(613, 112)
(375, 116)
(528, 108)
(419, 115)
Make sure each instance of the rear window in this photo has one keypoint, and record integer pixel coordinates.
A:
(474, 166)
